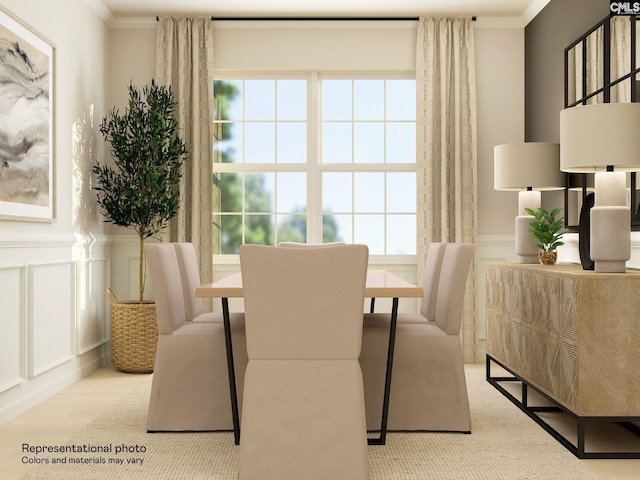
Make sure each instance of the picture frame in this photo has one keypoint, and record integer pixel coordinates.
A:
(27, 166)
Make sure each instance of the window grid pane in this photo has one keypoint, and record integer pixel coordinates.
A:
(374, 122)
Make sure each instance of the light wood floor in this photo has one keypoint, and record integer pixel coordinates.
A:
(62, 416)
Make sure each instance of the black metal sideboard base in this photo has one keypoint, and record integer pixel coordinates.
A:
(581, 422)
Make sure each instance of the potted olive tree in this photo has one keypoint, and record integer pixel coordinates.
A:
(140, 192)
(548, 231)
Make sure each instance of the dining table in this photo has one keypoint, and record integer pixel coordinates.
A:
(379, 284)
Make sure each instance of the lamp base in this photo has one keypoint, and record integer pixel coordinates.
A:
(610, 267)
(526, 251)
(610, 238)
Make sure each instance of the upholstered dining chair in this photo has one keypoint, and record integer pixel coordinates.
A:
(430, 279)
(190, 386)
(429, 391)
(190, 276)
(303, 411)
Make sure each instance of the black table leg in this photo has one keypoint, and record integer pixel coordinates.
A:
(232, 371)
(387, 384)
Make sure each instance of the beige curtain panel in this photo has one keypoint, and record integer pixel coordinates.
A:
(184, 60)
(447, 147)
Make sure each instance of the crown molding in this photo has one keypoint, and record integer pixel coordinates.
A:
(101, 9)
(534, 8)
(530, 13)
(499, 22)
(134, 22)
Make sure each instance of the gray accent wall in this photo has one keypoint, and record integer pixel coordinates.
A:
(546, 37)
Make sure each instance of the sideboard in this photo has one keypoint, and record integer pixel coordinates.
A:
(574, 337)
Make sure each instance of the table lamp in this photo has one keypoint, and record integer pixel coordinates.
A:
(528, 168)
(601, 138)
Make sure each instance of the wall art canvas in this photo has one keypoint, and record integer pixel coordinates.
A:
(26, 123)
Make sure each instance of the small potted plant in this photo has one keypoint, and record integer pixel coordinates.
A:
(140, 192)
(548, 231)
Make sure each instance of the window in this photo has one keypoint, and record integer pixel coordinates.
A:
(318, 159)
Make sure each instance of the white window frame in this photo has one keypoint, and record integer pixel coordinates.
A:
(313, 167)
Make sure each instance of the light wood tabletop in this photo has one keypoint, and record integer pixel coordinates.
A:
(380, 284)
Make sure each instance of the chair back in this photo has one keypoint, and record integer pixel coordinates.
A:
(451, 287)
(190, 274)
(430, 280)
(302, 245)
(303, 303)
(167, 286)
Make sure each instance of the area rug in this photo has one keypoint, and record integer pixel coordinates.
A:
(505, 444)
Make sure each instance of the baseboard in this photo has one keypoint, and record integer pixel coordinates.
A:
(27, 395)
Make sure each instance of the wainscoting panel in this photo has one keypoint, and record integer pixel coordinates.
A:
(51, 313)
(54, 313)
(92, 306)
(12, 326)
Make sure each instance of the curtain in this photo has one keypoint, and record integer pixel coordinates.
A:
(620, 58)
(447, 147)
(595, 66)
(619, 62)
(184, 60)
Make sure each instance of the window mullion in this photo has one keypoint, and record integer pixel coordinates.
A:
(314, 177)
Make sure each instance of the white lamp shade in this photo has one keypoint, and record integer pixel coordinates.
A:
(595, 136)
(517, 166)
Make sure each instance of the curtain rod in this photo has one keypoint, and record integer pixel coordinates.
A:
(257, 19)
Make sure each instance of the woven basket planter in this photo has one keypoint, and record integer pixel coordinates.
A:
(134, 334)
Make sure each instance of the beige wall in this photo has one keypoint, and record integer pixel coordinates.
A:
(132, 60)
(332, 46)
(54, 320)
(500, 99)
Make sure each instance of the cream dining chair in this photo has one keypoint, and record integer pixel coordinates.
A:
(430, 279)
(303, 413)
(190, 386)
(190, 276)
(429, 391)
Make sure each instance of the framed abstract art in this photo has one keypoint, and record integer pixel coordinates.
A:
(26, 123)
